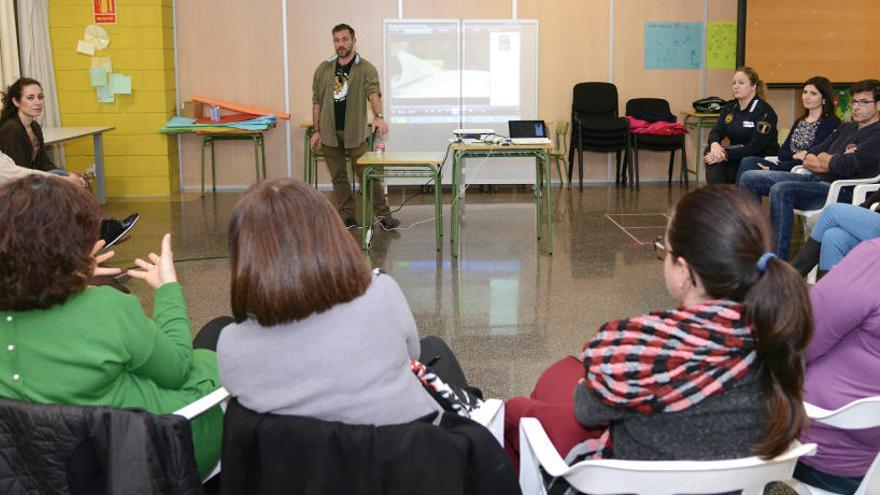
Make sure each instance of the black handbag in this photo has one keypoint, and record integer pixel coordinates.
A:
(709, 104)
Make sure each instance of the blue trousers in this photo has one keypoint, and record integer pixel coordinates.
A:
(751, 163)
(788, 191)
(840, 228)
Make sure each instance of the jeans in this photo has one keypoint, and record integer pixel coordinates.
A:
(820, 479)
(788, 191)
(751, 163)
(840, 228)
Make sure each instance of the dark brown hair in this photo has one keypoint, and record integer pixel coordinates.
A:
(722, 233)
(290, 254)
(14, 91)
(752, 74)
(342, 27)
(48, 228)
(827, 92)
(871, 85)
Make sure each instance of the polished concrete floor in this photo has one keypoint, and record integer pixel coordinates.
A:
(506, 307)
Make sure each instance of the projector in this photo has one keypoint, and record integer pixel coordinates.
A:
(472, 133)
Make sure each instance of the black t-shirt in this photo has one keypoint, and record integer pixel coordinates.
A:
(340, 92)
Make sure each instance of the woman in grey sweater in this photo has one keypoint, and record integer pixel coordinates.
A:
(314, 333)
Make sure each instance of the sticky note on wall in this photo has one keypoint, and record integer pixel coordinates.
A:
(98, 76)
(105, 94)
(85, 47)
(120, 84)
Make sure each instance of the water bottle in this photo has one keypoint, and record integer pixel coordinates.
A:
(379, 142)
(215, 113)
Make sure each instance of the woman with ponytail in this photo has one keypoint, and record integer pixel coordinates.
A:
(718, 377)
(748, 122)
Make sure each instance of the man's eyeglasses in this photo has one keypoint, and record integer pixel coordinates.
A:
(862, 103)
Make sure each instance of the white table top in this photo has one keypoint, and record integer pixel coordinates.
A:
(59, 134)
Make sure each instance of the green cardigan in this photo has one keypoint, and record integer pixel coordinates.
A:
(99, 348)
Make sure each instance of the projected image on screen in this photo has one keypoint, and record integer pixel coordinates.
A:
(429, 83)
(440, 75)
(421, 67)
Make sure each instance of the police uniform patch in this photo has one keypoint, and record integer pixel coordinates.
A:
(728, 119)
(763, 127)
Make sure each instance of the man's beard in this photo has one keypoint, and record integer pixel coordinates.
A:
(343, 53)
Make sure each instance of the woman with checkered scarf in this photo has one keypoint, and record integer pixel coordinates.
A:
(719, 377)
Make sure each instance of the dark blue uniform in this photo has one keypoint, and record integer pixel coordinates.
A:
(751, 132)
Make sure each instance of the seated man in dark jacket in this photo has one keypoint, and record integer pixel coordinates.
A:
(851, 152)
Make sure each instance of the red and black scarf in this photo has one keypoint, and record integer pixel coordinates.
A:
(667, 361)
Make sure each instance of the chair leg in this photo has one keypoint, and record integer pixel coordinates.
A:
(634, 164)
(620, 173)
(684, 163)
(581, 161)
(671, 163)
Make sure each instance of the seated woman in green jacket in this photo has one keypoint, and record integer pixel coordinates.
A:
(65, 342)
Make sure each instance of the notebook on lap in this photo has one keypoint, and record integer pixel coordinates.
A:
(528, 132)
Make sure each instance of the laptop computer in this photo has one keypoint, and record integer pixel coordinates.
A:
(528, 132)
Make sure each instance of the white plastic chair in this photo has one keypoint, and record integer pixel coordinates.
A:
(611, 476)
(201, 406)
(491, 415)
(857, 415)
(833, 195)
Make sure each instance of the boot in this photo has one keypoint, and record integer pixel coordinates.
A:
(807, 257)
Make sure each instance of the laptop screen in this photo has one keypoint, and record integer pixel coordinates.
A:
(527, 128)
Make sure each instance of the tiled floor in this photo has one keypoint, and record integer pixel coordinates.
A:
(506, 307)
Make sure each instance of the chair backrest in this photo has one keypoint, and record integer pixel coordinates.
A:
(94, 449)
(857, 415)
(657, 106)
(750, 475)
(595, 98)
(264, 451)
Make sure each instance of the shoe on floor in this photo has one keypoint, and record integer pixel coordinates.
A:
(350, 222)
(114, 231)
(390, 223)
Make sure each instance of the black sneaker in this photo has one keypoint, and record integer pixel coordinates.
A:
(350, 222)
(390, 223)
(113, 230)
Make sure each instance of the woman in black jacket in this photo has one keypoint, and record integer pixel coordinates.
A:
(748, 123)
(21, 138)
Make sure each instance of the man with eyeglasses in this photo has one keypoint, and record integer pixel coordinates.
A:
(852, 151)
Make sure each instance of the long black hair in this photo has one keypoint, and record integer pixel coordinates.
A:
(827, 91)
(722, 233)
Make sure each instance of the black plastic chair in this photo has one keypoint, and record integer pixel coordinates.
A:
(644, 109)
(597, 126)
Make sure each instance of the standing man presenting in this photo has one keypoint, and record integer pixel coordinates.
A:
(340, 90)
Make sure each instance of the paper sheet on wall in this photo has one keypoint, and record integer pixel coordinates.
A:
(120, 84)
(85, 47)
(673, 45)
(105, 94)
(721, 45)
(98, 76)
(104, 62)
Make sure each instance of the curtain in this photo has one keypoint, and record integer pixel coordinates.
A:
(36, 60)
(9, 69)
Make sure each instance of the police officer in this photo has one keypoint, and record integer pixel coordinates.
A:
(748, 122)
